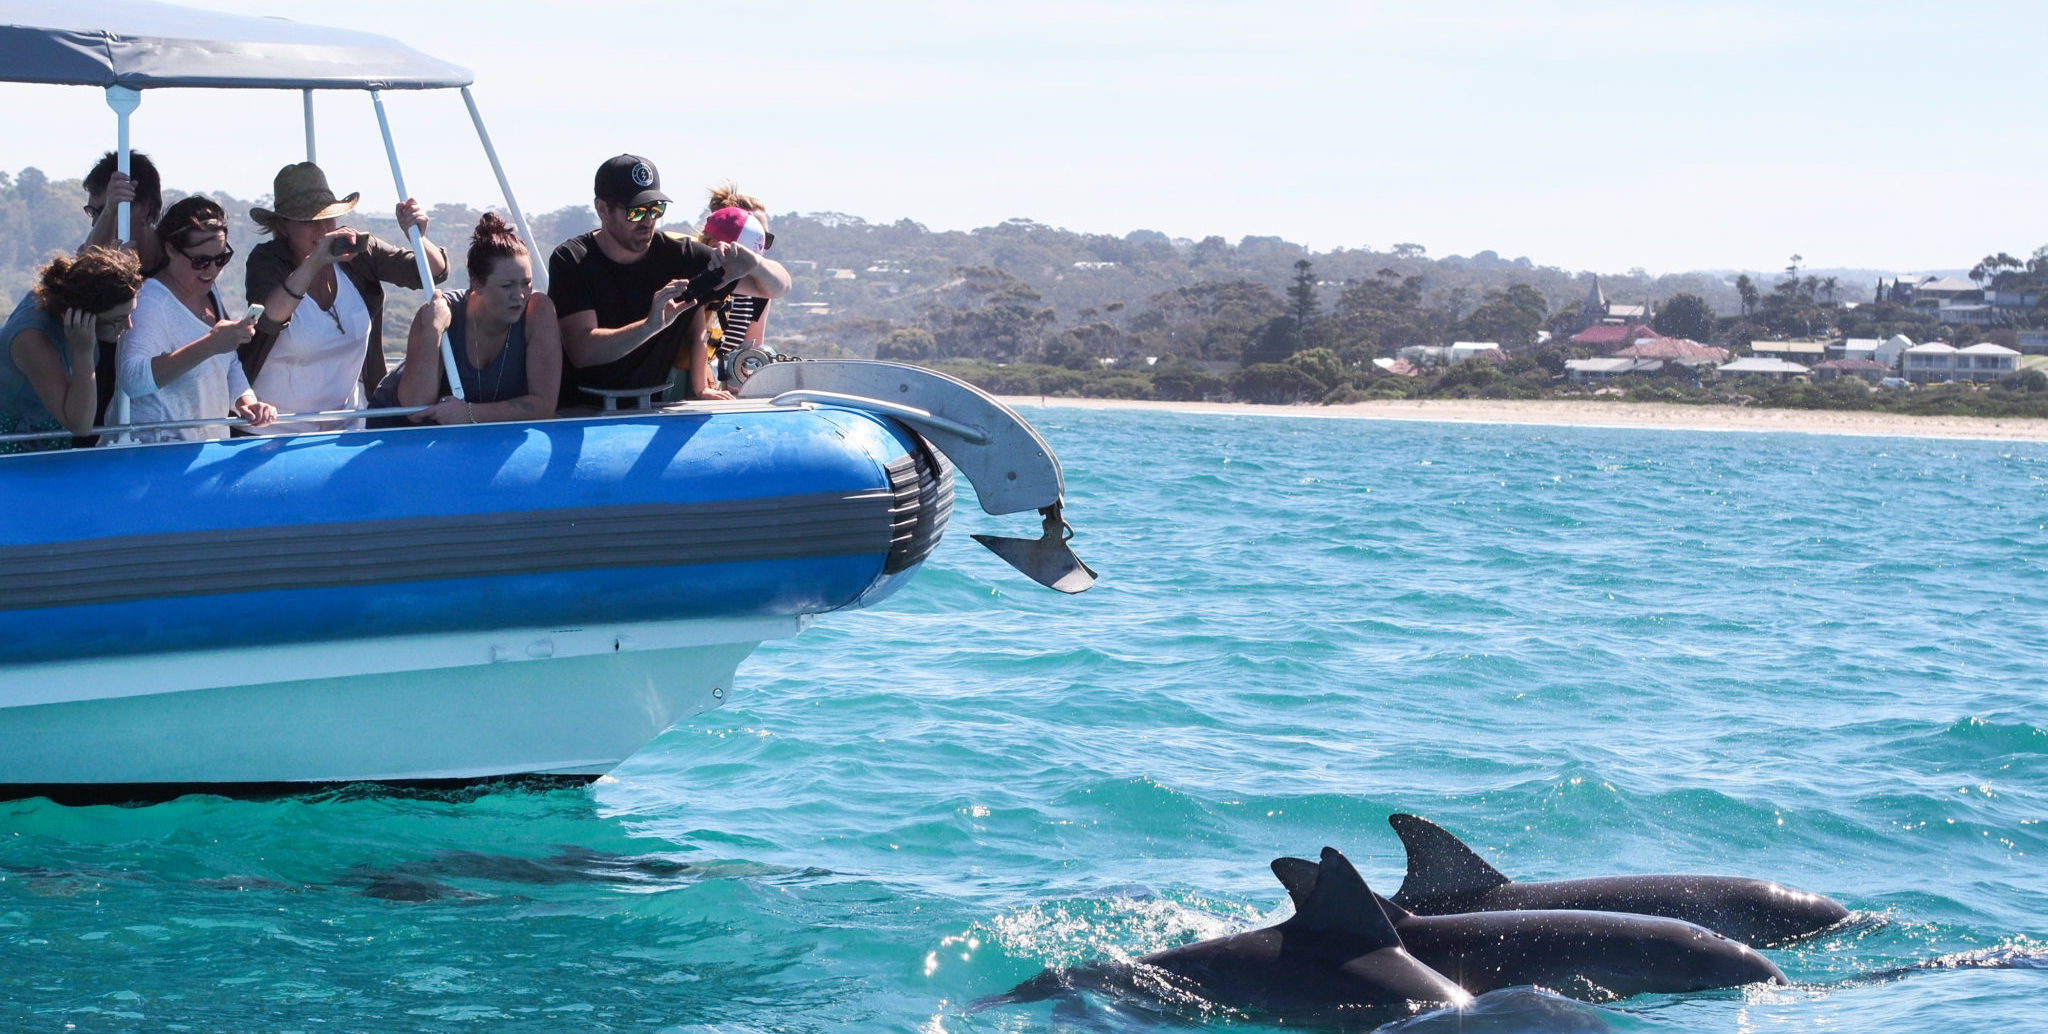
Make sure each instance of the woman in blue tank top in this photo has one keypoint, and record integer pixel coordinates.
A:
(50, 344)
(508, 348)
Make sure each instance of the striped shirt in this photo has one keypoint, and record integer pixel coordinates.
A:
(740, 312)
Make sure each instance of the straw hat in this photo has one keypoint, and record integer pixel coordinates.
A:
(300, 192)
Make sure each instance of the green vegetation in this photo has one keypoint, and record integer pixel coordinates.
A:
(1025, 308)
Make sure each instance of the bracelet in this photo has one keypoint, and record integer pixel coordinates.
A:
(299, 295)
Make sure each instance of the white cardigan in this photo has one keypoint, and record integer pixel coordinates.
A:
(162, 324)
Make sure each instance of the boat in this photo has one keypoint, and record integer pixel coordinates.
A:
(445, 605)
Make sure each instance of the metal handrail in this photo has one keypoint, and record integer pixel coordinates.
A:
(332, 416)
(909, 414)
(339, 415)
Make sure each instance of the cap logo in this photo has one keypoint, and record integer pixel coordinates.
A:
(642, 175)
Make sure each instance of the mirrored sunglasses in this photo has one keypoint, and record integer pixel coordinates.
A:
(640, 213)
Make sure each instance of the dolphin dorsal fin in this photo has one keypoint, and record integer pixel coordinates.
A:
(1341, 903)
(1298, 875)
(1439, 864)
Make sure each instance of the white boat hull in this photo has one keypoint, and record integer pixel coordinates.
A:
(560, 702)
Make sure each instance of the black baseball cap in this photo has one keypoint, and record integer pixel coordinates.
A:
(629, 180)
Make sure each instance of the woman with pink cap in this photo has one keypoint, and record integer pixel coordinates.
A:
(738, 219)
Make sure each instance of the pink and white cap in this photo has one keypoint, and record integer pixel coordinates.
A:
(735, 225)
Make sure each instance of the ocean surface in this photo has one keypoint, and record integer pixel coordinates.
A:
(1808, 658)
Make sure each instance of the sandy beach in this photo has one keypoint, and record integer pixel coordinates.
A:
(1599, 413)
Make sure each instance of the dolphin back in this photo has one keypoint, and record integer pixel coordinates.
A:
(1442, 871)
(1583, 954)
(1342, 906)
(1749, 910)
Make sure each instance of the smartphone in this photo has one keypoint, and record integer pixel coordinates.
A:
(343, 247)
(255, 313)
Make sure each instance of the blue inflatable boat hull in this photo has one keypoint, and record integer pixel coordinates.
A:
(287, 610)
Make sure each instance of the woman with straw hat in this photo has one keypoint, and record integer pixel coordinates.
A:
(320, 343)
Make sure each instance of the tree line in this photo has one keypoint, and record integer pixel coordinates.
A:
(1144, 315)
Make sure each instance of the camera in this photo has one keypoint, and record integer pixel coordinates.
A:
(705, 286)
(345, 247)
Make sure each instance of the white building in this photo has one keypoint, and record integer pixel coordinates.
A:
(1581, 371)
(1803, 350)
(1893, 347)
(1761, 366)
(1933, 361)
(1985, 362)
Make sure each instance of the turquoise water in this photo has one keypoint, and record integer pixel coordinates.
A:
(1813, 659)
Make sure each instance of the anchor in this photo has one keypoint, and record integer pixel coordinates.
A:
(1047, 560)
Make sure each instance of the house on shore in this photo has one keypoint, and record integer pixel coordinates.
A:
(1583, 371)
(1985, 361)
(1596, 311)
(1937, 361)
(1797, 350)
(1868, 369)
(1451, 354)
(1933, 361)
(1763, 366)
(1610, 336)
(1682, 351)
(1877, 350)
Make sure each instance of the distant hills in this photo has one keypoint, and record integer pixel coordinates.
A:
(857, 282)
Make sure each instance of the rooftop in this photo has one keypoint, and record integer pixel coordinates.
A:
(1677, 349)
(1760, 364)
(1613, 334)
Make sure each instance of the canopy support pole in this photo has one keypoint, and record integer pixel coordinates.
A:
(419, 245)
(124, 101)
(311, 155)
(483, 136)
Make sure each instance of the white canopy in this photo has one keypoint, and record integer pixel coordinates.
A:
(143, 45)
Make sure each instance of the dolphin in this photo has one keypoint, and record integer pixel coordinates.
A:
(1337, 952)
(1597, 956)
(1445, 876)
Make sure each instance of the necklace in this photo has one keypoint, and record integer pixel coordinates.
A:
(473, 349)
(332, 310)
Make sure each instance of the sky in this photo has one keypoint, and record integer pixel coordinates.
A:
(1579, 133)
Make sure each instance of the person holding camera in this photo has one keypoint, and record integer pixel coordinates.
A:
(628, 294)
(177, 359)
(319, 345)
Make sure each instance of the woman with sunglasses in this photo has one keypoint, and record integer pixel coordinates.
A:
(177, 362)
(320, 343)
(50, 345)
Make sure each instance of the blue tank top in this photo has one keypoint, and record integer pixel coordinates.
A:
(500, 379)
(20, 408)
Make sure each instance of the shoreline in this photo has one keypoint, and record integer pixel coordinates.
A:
(1588, 413)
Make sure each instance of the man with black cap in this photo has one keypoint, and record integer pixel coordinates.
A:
(618, 290)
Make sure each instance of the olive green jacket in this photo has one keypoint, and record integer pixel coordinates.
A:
(376, 265)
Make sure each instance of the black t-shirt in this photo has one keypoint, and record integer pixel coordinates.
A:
(582, 279)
